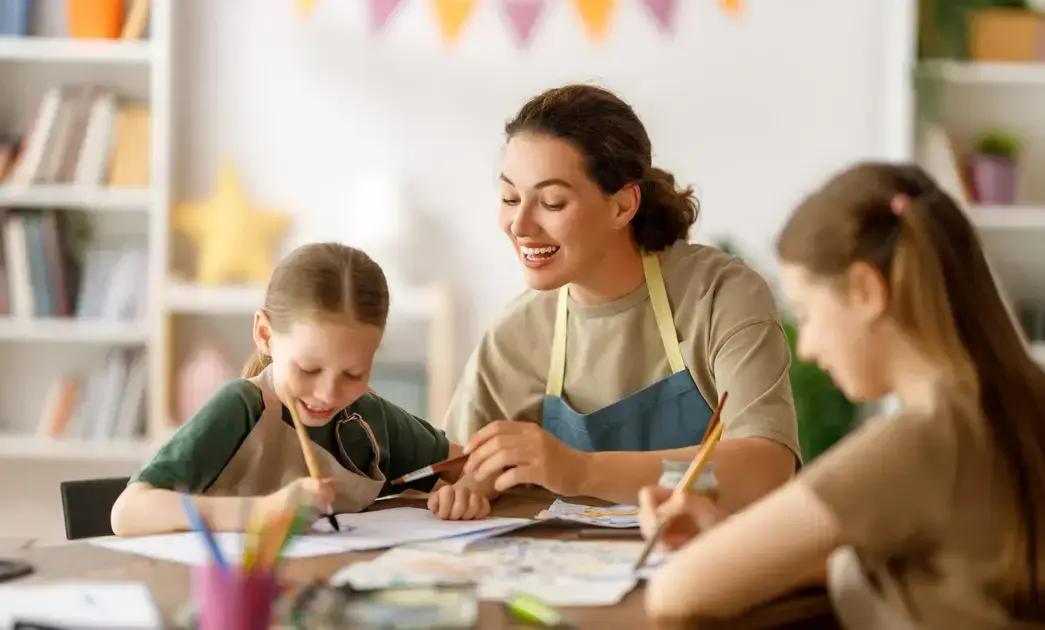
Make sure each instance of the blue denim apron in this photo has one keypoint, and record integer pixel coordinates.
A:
(670, 413)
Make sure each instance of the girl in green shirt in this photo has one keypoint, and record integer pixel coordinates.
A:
(324, 314)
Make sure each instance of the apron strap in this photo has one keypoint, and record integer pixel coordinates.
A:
(355, 417)
(557, 368)
(658, 296)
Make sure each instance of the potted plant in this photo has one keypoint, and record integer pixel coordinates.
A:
(992, 169)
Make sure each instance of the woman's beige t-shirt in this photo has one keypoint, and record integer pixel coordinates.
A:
(929, 507)
(726, 320)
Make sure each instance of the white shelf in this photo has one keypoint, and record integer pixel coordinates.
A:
(1017, 73)
(194, 299)
(44, 448)
(57, 330)
(77, 197)
(64, 49)
(1037, 350)
(1008, 217)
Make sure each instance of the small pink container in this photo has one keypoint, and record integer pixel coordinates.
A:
(233, 599)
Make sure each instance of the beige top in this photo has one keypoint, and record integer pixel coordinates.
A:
(727, 327)
(928, 506)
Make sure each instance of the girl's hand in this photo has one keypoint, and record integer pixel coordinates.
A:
(515, 453)
(458, 502)
(318, 493)
(687, 515)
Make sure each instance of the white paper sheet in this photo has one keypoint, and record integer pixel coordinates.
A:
(369, 530)
(563, 573)
(80, 605)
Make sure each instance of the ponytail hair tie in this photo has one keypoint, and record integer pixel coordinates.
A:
(899, 204)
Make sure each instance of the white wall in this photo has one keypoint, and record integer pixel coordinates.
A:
(754, 112)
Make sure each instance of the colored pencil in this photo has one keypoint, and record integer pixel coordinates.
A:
(707, 447)
(306, 450)
(197, 523)
(428, 471)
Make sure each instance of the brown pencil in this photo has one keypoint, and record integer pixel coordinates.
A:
(707, 447)
(428, 471)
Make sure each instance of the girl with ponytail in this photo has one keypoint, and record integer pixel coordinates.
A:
(930, 518)
(628, 334)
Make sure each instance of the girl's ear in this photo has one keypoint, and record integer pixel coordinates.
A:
(262, 332)
(868, 291)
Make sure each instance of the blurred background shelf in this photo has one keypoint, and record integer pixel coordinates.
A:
(75, 197)
(19, 446)
(983, 71)
(1008, 217)
(73, 331)
(63, 49)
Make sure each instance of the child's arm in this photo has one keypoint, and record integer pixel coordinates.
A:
(755, 555)
(143, 509)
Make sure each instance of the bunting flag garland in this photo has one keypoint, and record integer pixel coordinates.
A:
(523, 16)
(380, 12)
(452, 15)
(596, 16)
(664, 11)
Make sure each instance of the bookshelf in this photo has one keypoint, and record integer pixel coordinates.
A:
(36, 351)
(968, 98)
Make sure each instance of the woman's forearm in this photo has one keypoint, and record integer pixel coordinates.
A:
(746, 469)
(142, 509)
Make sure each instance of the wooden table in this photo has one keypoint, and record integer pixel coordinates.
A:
(169, 581)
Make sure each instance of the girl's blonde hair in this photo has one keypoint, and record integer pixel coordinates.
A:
(942, 293)
(322, 280)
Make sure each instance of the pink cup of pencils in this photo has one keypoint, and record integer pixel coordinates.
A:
(235, 598)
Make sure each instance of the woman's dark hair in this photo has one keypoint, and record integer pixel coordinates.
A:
(617, 152)
(943, 295)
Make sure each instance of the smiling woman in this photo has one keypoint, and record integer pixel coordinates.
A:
(628, 330)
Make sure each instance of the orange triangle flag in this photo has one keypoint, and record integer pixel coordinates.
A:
(452, 14)
(304, 7)
(596, 16)
(735, 7)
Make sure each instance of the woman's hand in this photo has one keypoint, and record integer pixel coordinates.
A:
(318, 493)
(518, 452)
(458, 502)
(687, 515)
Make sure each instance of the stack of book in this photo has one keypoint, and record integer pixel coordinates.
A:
(109, 404)
(81, 135)
(48, 269)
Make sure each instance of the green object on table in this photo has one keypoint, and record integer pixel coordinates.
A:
(529, 609)
(824, 414)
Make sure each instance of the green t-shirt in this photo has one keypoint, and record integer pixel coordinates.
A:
(198, 452)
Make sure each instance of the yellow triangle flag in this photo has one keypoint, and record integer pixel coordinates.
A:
(452, 14)
(734, 7)
(304, 7)
(596, 15)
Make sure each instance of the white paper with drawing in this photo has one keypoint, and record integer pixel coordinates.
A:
(362, 532)
(617, 516)
(564, 573)
(109, 605)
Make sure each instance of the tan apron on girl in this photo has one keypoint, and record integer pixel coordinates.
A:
(271, 457)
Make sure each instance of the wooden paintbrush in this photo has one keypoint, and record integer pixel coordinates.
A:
(306, 449)
(711, 437)
(428, 471)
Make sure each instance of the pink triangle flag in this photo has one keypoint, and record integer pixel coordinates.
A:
(523, 14)
(380, 12)
(664, 11)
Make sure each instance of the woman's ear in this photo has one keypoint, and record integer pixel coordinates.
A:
(262, 332)
(868, 291)
(626, 202)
